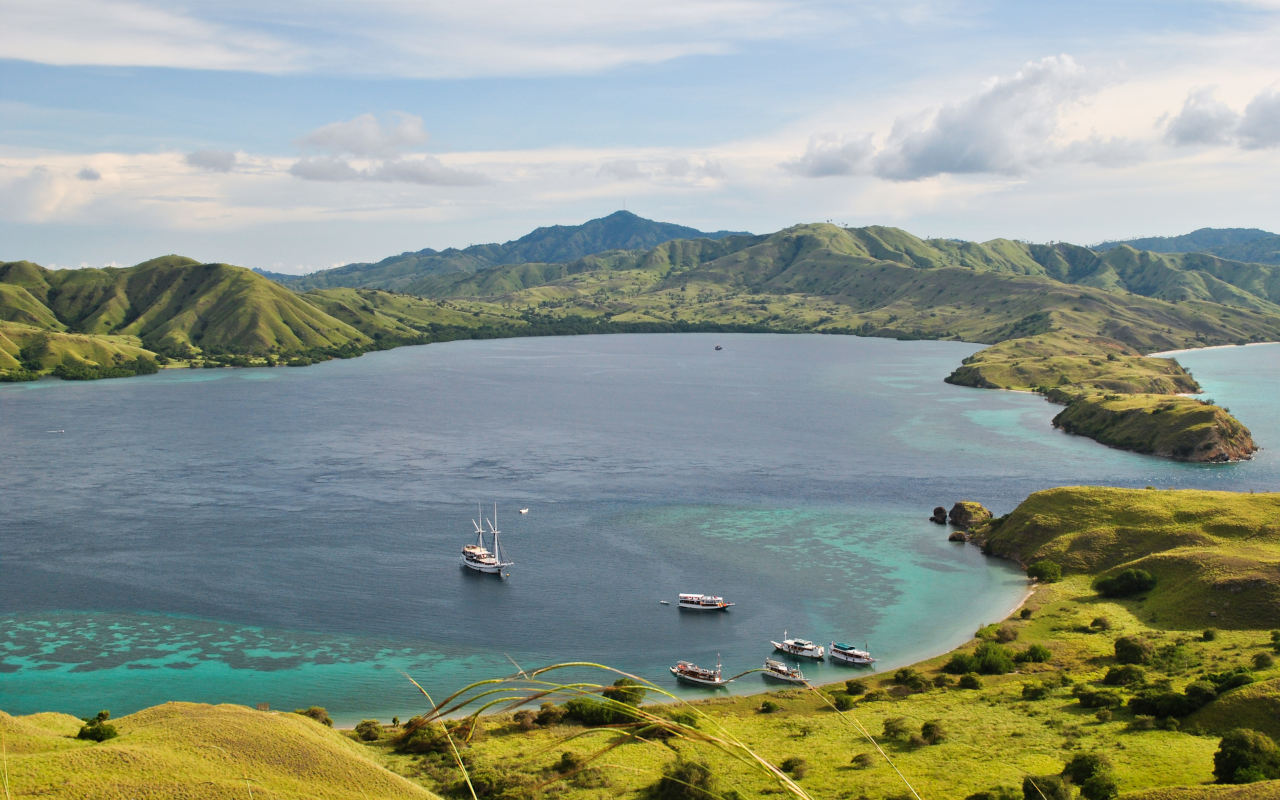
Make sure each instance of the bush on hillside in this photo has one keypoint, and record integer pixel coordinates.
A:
(1045, 787)
(1132, 650)
(855, 686)
(1035, 654)
(1102, 786)
(843, 702)
(1125, 675)
(969, 680)
(626, 691)
(369, 730)
(683, 780)
(318, 713)
(933, 732)
(97, 729)
(1245, 756)
(1263, 660)
(1084, 766)
(1130, 582)
(1045, 571)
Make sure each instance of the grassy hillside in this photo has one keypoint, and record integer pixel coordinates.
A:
(193, 750)
(1181, 428)
(1239, 244)
(1215, 555)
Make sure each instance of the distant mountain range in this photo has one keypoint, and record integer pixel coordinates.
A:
(621, 230)
(1237, 244)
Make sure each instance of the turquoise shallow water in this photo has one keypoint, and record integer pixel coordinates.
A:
(290, 536)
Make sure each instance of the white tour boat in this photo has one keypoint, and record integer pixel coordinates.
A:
(703, 602)
(480, 558)
(781, 672)
(692, 673)
(850, 654)
(798, 647)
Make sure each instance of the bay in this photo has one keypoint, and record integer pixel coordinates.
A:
(291, 536)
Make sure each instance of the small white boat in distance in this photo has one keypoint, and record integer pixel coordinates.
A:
(692, 673)
(798, 647)
(778, 671)
(849, 654)
(524, 511)
(703, 602)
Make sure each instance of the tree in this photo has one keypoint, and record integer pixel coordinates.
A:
(369, 730)
(1100, 786)
(625, 690)
(1084, 766)
(1131, 581)
(1045, 571)
(1245, 756)
(97, 729)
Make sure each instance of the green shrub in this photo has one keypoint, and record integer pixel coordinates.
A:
(843, 702)
(1262, 660)
(1100, 624)
(318, 713)
(794, 766)
(549, 714)
(855, 686)
(1101, 786)
(369, 730)
(896, 727)
(1103, 715)
(1126, 675)
(1036, 653)
(1045, 787)
(1130, 582)
(1097, 698)
(1025, 613)
(1084, 766)
(1245, 756)
(97, 729)
(1209, 635)
(1035, 691)
(768, 707)
(933, 732)
(1045, 571)
(626, 691)
(1133, 650)
(993, 659)
(863, 761)
(1006, 634)
(969, 680)
(684, 780)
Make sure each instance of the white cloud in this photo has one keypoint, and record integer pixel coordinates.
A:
(366, 136)
(832, 154)
(1260, 126)
(214, 160)
(134, 33)
(1203, 120)
(1006, 129)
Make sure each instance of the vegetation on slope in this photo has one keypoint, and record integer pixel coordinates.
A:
(1239, 244)
(1181, 428)
(193, 750)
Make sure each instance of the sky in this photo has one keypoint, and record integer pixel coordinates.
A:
(302, 136)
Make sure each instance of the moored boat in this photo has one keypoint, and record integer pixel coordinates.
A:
(778, 671)
(798, 647)
(849, 654)
(692, 673)
(703, 602)
(480, 558)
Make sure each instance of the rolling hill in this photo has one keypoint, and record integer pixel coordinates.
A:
(1238, 244)
(621, 230)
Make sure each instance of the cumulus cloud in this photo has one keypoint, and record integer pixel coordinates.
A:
(832, 154)
(1203, 120)
(1006, 129)
(1260, 126)
(213, 160)
(89, 174)
(367, 136)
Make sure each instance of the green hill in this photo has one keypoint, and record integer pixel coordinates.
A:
(621, 230)
(1238, 244)
(193, 750)
(1215, 555)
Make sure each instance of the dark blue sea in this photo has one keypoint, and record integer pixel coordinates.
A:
(291, 536)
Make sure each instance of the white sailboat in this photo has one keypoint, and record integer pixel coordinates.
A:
(849, 654)
(477, 556)
(798, 647)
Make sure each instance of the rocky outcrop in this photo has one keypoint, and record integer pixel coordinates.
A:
(939, 515)
(967, 514)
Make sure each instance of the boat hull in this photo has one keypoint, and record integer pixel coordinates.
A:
(776, 671)
(488, 569)
(815, 653)
(714, 683)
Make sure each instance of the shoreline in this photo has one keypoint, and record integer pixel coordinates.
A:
(1168, 353)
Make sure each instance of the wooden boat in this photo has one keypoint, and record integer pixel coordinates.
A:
(778, 671)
